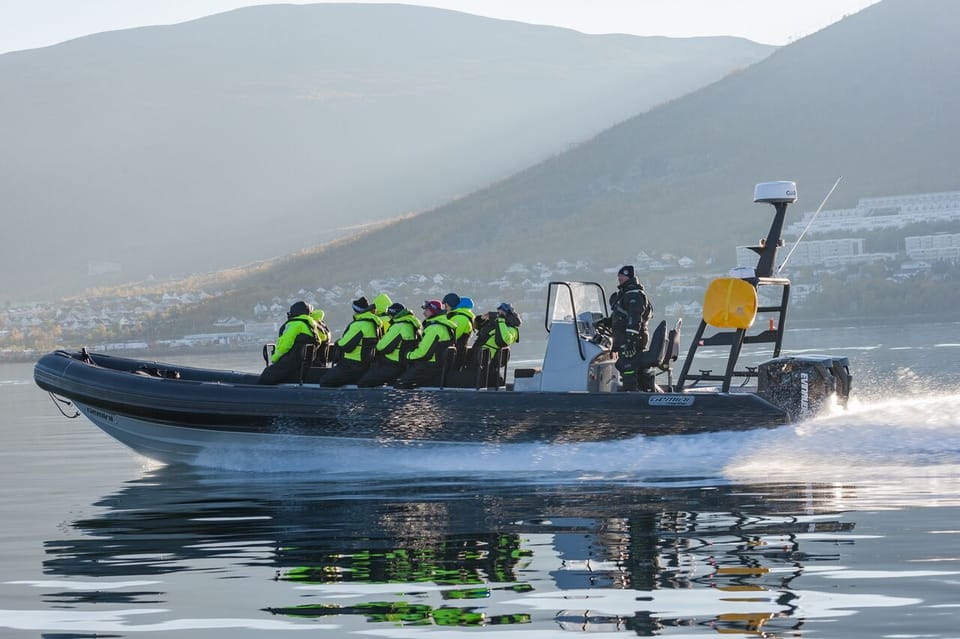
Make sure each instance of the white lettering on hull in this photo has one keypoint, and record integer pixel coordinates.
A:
(670, 400)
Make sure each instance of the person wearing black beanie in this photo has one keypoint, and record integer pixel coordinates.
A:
(401, 336)
(355, 347)
(361, 305)
(630, 311)
(298, 331)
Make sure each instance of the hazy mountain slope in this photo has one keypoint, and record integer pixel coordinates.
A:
(868, 98)
(259, 131)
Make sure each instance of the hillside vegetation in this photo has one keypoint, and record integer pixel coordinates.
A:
(173, 150)
(866, 98)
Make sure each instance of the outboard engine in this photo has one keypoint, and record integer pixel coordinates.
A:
(803, 386)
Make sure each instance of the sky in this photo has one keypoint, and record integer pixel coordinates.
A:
(28, 24)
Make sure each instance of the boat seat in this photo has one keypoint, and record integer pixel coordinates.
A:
(664, 349)
(321, 355)
(673, 352)
(673, 345)
(268, 350)
(462, 351)
(448, 358)
(306, 361)
(491, 371)
(368, 352)
(656, 352)
(499, 365)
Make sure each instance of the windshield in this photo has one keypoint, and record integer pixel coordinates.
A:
(584, 301)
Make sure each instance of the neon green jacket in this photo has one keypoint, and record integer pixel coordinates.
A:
(323, 331)
(463, 318)
(291, 330)
(380, 304)
(405, 327)
(500, 335)
(365, 325)
(438, 332)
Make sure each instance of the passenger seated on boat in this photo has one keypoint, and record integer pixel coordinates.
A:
(321, 352)
(496, 331)
(391, 350)
(355, 346)
(460, 311)
(287, 359)
(630, 312)
(425, 363)
(381, 303)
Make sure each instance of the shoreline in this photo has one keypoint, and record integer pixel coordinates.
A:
(20, 357)
(27, 356)
(872, 320)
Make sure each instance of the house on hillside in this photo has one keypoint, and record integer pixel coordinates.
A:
(229, 324)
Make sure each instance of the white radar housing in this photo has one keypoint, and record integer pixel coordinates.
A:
(775, 192)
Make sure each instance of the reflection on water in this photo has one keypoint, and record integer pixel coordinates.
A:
(843, 526)
(282, 552)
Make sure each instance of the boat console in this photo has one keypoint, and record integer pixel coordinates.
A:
(578, 355)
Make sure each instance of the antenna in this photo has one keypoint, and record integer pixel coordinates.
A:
(820, 208)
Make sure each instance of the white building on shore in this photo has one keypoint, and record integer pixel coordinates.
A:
(831, 253)
(942, 246)
(875, 213)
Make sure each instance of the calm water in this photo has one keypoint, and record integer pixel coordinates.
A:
(845, 526)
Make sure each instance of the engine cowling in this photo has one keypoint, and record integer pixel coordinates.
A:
(804, 385)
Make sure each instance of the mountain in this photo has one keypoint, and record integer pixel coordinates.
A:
(257, 132)
(870, 98)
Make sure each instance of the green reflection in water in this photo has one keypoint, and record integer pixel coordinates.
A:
(404, 613)
(451, 562)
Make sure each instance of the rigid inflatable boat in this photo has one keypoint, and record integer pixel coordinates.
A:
(174, 413)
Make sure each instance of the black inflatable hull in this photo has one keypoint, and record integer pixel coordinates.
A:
(175, 420)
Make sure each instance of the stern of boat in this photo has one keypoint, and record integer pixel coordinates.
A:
(804, 386)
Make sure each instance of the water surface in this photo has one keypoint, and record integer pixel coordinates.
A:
(843, 526)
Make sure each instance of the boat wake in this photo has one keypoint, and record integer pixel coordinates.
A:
(899, 445)
(869, 440)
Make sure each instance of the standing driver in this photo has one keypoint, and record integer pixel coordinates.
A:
(629, 315)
